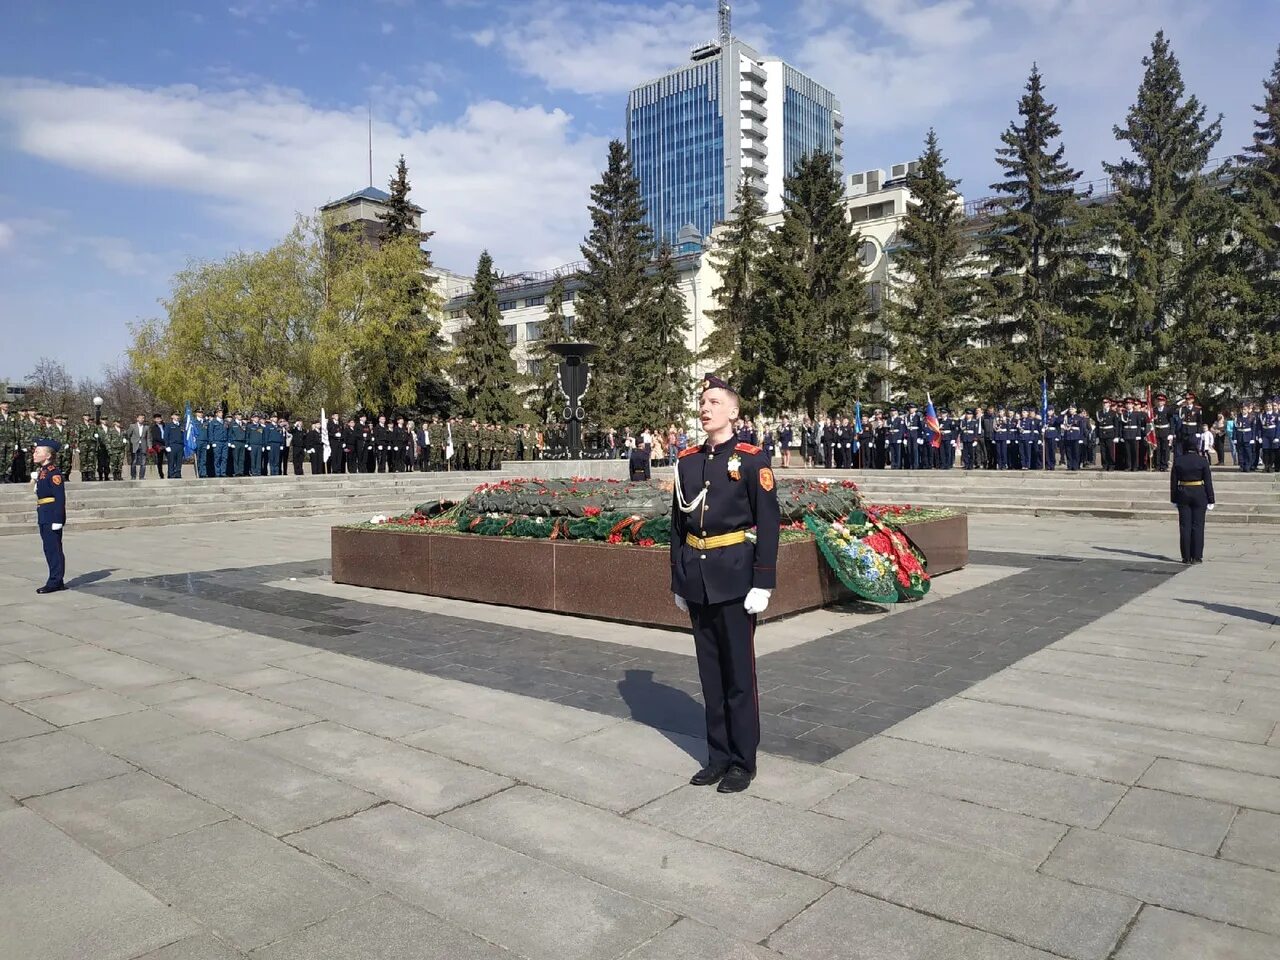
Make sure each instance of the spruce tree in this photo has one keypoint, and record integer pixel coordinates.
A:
(545, 396)
(932, 296)
(399, 218)
(1035, 321)
(662, 353)
(736, 258)
(1259, 251)
(803, 340)
(485, 372)
(615, 291)
(1159, 190)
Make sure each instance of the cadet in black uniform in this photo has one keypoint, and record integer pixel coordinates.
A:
(51, 511)
(638, 462)
(722, 573)
(1191, 491)
(1165, 423)
(1108, 434)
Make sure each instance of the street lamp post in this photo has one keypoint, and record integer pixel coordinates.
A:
(97, 410)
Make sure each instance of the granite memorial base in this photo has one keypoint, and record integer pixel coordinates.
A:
(632, 584)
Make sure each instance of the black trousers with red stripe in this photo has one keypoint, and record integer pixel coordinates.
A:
(724, 639)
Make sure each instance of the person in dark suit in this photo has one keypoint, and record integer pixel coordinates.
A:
(1191, 491)
(638, 462)
(157, 443)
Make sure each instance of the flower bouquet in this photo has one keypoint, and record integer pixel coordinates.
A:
(871, 557)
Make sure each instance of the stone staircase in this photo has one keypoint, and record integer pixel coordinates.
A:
(1241, 498)
(138, 503)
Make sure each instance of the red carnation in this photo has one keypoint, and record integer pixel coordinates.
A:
(615, 538)
(591, 511)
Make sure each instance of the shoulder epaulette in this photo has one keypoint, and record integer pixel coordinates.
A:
(747, 448)
(686, 451)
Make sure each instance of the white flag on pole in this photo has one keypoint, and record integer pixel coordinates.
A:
(324, 434)
(448, 447)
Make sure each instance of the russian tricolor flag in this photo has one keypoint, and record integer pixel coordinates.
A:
(931, 423)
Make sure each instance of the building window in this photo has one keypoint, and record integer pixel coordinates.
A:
(457, 338)
(511, 335)
(533, 331)
(506, 305)
(569, 295)
(535, 301)
(534, 368)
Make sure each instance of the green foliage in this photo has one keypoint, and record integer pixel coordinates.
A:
(1159, 193)
(662, 356)
(247, 329)
(803, 340)
(400, 217)
(736, 259)
(1258, 254)
(485, 371)
(1036, 248)
(930, 314)
(616, 290)
(383, 322)
(545, 396)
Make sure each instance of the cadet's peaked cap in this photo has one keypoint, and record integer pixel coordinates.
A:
(1161, 397)
(49, 442)
(1188, 395)
(712, 382)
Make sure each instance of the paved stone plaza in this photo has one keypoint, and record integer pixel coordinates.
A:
(209, 751)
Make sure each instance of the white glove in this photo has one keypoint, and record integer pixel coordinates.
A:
(1212, 505)
(55, 526)
(681, 604)
(757, 600)
(168, 450)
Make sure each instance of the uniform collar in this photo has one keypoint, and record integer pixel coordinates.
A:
(733, 439)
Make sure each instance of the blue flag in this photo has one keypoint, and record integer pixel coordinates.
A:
(1044, 398)
(857, 424)
(188, 434)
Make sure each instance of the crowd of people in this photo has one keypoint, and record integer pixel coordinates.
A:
(1124, 434)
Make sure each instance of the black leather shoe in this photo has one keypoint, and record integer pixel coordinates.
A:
(1197, 561)
(735, 781)
(709, 775)
(54, 588)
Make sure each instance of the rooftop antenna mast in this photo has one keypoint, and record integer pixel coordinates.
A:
(371, 143)
(726, 17)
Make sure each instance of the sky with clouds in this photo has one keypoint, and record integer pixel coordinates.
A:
(136, 136)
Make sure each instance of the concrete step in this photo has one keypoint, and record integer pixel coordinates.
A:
(1073, 498)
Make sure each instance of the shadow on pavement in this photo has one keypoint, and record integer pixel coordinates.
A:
(670, 711)
(1231, 610)
(1137, 553)
(87, 578)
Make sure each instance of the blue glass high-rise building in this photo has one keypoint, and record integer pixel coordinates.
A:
(695, 131)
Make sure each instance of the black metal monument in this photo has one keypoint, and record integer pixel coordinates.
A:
(574, 377)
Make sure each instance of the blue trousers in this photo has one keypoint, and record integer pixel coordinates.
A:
(175, 462)
(255, 461)
(219, 459)
(967, 454)
(202, 460)
(1071, 448)
(237, 460)
(1002, 453)
(1050, 452)
(273, 458)
(51, 540)
(1024, 454)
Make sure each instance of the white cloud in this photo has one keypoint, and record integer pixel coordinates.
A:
(388, 28)
(603, 48)
(7, 235)
(485, 37)
(514, 179)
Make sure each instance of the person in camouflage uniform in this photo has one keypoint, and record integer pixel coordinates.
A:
(8, 441)
(62, 434)
(28, 431)
(86, 447)
(117, 448)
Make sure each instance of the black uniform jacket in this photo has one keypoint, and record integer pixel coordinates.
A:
(733, 503)
(1188, 468)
